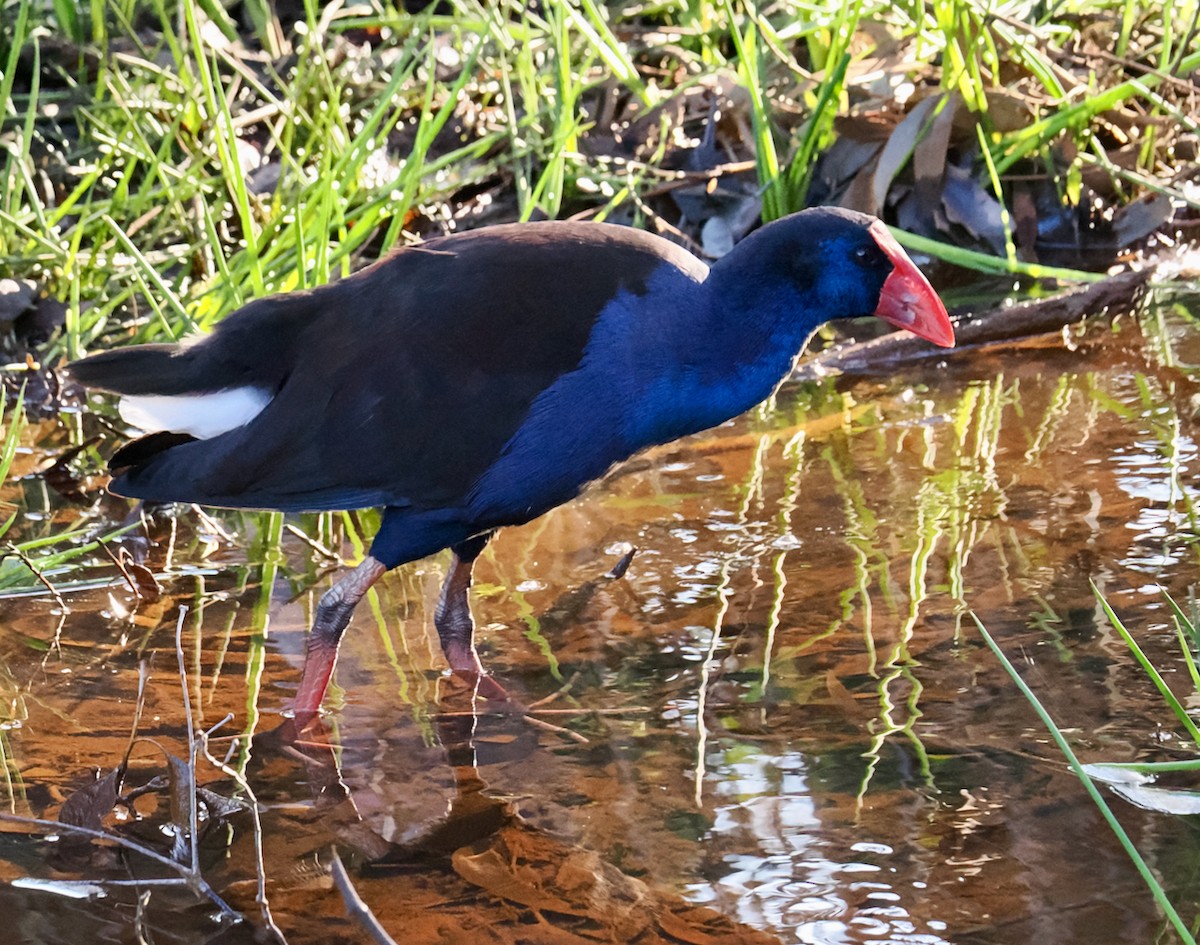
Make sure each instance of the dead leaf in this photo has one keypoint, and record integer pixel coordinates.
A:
(899, 148)
(716, 238)
(699, 925)
(218, 806)
(929, 158)
(144, 582)
(1134, 222)
(491, 870)
(141, 580)
(543, 874)
(973, 208)
(619, 569)
(1025, 223)
(59, 477)
(726, 206)
(551, 876)
(181, 793)
(858, 195)
(1008, 111)
(838, 165)
(88, 806)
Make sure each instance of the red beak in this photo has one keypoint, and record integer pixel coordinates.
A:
(908, 300)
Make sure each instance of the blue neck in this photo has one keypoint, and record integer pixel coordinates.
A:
(681, 357)
(719, 350)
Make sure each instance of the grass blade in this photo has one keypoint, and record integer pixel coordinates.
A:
(1149, 669)
(1089, 785)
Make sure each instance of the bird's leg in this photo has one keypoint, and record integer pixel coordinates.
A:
(455, 628)
(333, 614)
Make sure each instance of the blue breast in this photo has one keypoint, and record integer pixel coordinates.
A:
(658, 366)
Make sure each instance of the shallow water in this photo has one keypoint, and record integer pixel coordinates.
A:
(790, 715)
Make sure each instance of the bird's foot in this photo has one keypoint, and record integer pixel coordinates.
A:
(489, 697)
(329, 623)
(479, 685)
(296, 733)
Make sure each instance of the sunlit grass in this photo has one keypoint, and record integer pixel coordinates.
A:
(1187, 636)
(154, 223)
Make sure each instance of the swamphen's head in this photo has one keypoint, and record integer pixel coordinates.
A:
(835, 263)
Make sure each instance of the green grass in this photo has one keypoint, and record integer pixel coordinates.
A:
(132, 135)
(130, 139)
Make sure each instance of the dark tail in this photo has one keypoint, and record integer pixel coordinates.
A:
(134, 455)
(251, 347)
(144, 369)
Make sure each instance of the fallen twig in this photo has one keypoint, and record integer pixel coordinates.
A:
(1120, 293)
(193, 801)
(355, 906)
(546, 700)
(315, 545)
(194, 881)
(264, 907)
(553, 729)
(12, 551)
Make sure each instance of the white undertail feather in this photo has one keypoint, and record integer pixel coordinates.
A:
(202, 415)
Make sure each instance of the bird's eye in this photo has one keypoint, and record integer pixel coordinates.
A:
(861, 253)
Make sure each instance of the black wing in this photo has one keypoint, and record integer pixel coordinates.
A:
(397, 386)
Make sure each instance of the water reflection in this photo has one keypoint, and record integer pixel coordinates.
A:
(789, 715)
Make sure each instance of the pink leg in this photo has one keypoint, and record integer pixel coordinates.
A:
(456, 628)
(333, 614)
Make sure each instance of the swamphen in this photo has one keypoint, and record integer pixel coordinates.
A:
(479, 380)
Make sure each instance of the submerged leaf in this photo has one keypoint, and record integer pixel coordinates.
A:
(1116, 774)
(552, 876)
(1160, 800)
(182, 794)
(88, 806)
